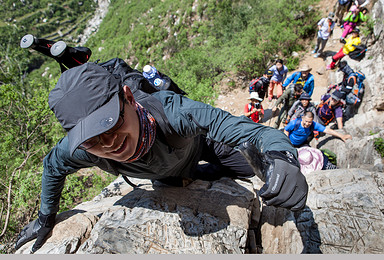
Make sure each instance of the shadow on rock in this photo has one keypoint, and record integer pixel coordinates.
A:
(268, 114)
(281, 230)
(324, 140)
(327, 54)
(309, 231)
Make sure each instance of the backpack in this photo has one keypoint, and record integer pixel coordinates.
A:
(320, 106)
(252, 84)
(129, 75)
(141, 90)
(332, 157)
(357, 89)
(359, 53)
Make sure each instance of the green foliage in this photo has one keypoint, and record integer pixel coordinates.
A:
(80, 188)
(379, 145)
(44, 17)
(241, 37)
(367, 27)
(28, 131)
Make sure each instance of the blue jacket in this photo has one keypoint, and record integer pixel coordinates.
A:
(309, 83)
(191, 121)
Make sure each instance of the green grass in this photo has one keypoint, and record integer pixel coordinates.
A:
(379, 146)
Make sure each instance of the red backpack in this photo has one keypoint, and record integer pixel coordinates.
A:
(252, 85)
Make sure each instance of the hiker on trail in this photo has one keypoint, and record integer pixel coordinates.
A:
(304, 77)
(112, 123)
(330, 109)
(300, 107)
(352, 89)
(350, 79)
(301, 130)
(352, 86)
(348, 47)
(325, 28)
(352, 19)
(289, 97)
(342, 6)
(279, 74)
(362, 16)
(254, 110)
(312, 159)
(260, 85)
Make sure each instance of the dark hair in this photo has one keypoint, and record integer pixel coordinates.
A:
(309, 114)
(364, 9)
(298, 87)
(279, 61)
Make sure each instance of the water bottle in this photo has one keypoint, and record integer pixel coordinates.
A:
(151, 74)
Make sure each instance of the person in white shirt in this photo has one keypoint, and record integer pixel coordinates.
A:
(325, 26)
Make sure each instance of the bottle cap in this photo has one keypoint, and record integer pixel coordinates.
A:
(158, 82)
(147, 69)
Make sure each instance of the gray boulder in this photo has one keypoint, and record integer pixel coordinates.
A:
(344, 214)
(202, 218)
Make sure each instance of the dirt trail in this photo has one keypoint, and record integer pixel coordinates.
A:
(235, 100)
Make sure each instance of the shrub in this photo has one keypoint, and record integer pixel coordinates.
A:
(379, 145)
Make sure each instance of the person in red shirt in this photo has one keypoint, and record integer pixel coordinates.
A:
(254, 110)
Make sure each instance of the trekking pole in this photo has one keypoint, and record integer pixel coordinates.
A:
(67, 57)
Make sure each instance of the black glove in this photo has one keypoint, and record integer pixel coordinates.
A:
(39, 228)
(285, 186)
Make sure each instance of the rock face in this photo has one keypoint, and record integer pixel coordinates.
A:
(344, 212)
(202, 218)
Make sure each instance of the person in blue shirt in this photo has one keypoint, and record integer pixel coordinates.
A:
(301, 130)
(280, 72)
(305, 77)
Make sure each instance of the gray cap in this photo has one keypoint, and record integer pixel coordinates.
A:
(86, 102)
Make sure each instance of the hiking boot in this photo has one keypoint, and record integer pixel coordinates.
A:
(316, 55)
(313, 52)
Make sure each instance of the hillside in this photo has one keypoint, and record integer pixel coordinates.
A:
(234, 99)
